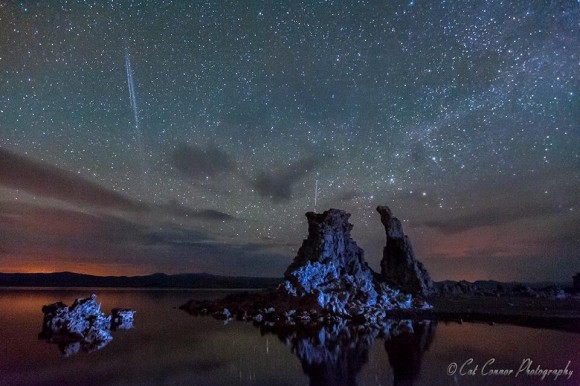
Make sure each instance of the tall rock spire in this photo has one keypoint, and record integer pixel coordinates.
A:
(399, 267)
(330, 268)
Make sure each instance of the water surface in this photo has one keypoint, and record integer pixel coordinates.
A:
(170, 347)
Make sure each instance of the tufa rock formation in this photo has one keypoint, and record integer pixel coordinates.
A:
(82, 326)
(328, 281)
(122, 319)
(399, 267)
(330, 268)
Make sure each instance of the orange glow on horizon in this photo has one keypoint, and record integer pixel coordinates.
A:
(32, 263)
(483, 241)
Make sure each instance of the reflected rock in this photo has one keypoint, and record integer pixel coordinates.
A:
(332, 354)
(335, 354)
(81, 326)
(405, 343)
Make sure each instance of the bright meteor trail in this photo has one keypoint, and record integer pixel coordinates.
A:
(133, 101)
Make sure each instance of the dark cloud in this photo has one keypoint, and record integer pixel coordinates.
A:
(170, 235)
(348, 195)
(176, 208)
(195, 162)
(418, 153)
(68, 225)
(278, 184)
(175, 249)
(493, 217)
(28, 231)
(19, 172)
(211, 214)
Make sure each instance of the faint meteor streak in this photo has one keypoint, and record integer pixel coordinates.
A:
(315, 194)
(131, 85)
(137, 129)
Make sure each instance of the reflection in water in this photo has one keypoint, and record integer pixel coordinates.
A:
(68, 348)
(334, 355)
(330, 355)
(92, 340)
(406, 347)
(170, 347)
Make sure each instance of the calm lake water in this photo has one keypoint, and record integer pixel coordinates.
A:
(169, 347)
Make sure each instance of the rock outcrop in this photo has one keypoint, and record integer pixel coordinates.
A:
(81, 326)
(122, 318)
(399, 267)
(328, 281)
(330, 269)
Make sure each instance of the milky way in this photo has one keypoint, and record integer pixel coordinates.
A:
(462, 118)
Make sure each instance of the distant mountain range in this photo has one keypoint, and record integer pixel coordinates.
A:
(490, 285)
(194, 280)
(156, 280)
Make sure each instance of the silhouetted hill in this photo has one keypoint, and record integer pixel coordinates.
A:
(156, 280)
(496, 288)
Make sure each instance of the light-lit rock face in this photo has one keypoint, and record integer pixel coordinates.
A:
(399, 267)
(328, 282)
(330, 269)
(122, 319)
(82, 326)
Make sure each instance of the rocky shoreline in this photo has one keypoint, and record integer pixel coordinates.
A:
(540, 313)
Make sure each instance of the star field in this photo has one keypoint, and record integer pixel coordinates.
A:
(462, 118)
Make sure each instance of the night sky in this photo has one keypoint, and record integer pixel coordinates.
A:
(139, 138)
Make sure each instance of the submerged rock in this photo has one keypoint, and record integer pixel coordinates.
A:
(82, 326)
(399, 267)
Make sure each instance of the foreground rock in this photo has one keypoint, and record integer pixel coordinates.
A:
(399, 267)
(81, 326)
(330, 270)
(328, 281)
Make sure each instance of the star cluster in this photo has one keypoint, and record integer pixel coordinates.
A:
(462, 118)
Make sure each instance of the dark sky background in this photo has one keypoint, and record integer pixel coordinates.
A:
(139, 138)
